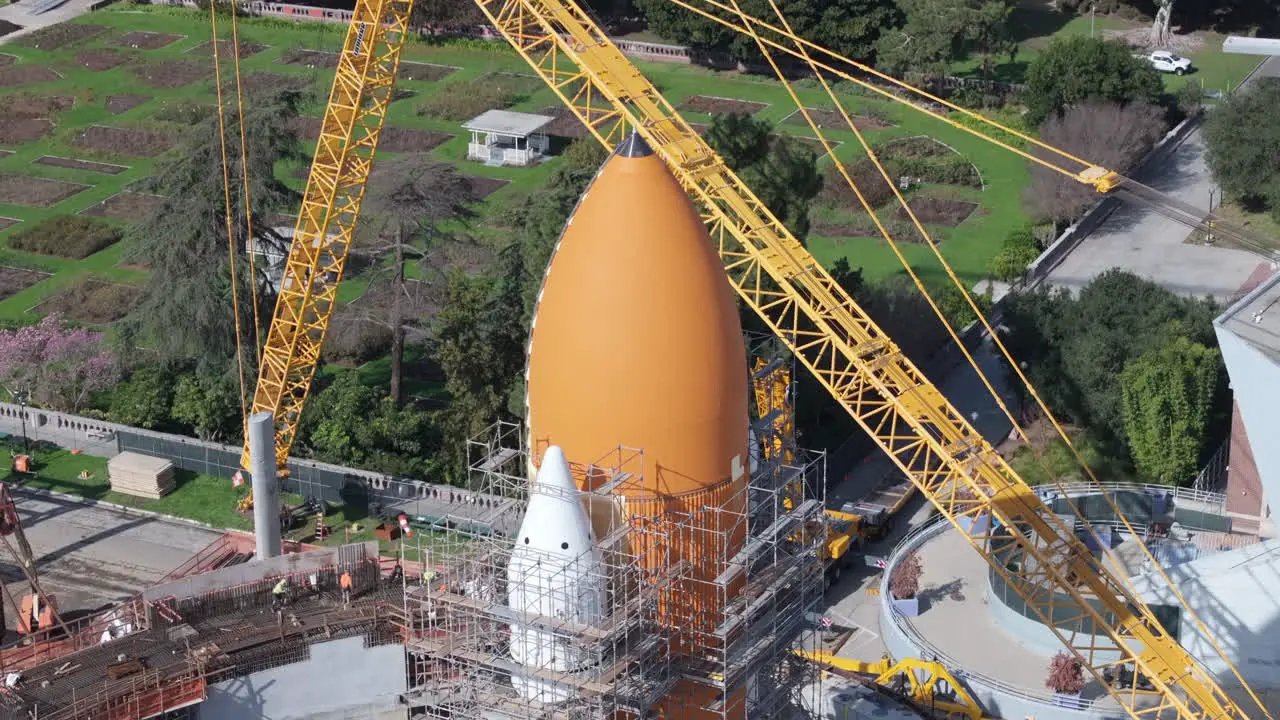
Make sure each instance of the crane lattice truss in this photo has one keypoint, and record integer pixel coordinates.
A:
(330, 207)
(866, 372)
(826, 330)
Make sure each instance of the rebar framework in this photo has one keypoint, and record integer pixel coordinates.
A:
(629, 663)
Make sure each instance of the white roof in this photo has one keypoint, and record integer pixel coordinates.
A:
(506, 122)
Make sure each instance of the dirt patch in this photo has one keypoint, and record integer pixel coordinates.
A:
(7, 27)
(104, 59)
(15, 75)
(814, 144)
(310, 58)
(15, 280)
(425, 72)
(61, 35)
(36, 105)
(184, 112)
(393, 139)
(483, 187)
(566, 124)
(8, 222)
(75, 164)
(16, 131)
(35, 192)
(124, 141)
(258, 83)
(247, 49)
(915, 147)
(127, 206)
(938, 211)
(862, 227)
(93, 302)
(169, 74)
(832, 120)
(6, 59)
(117, 104)
(144, 40)
(720, 106)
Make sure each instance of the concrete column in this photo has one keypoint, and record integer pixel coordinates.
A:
(266, 489)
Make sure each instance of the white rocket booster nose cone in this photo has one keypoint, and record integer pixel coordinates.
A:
(556, 572)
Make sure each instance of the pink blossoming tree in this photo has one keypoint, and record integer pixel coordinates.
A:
(58, 366)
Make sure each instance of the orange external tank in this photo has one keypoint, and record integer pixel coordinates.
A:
(636, 342)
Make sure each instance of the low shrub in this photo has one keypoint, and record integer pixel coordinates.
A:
(463, 101)
(70, 236)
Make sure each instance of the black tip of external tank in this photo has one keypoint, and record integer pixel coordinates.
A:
(634, 146)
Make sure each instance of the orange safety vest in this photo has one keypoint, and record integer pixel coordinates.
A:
(345, 581)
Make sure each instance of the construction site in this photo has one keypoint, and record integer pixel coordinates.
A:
(651, 540)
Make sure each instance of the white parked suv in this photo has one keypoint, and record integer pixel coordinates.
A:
(1165, 61)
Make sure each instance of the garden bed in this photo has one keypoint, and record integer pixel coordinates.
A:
(144, 40)
(92, 302)
(35, 105)
(462, 101)
(15, 280)
(104, 59)
(424, 72)
(127, 206)
(170, 74)
(566, 124)
(66, 236)
(124, 141)
(16, 75)
(309, 58)
(393, 139)
(60, 35)
(256, 83)
(861, 227)
(247, 49)
(720, 106)
(483, 187)
(117, 104)
(6, 223)
(5, 58)
(74, 164)
(832, 120)
(35, 192)
(184, 112)
(20, 130)
(915, 147)
(938, 211)
(814, 144)
(7, 27)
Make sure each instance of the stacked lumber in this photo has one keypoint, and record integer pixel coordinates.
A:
(140, 475)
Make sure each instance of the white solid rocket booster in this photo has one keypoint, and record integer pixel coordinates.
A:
(556, 572)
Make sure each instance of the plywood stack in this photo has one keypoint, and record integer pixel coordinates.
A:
(140, 475)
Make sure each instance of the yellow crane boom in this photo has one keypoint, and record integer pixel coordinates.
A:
(865, 371)
(330, 208)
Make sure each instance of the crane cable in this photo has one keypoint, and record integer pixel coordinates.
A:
(231, 236)
(980, 315)
(244, 181)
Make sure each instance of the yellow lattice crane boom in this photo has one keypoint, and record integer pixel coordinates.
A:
(1033, 550)
(330, 208)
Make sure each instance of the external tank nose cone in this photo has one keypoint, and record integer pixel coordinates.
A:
(634, 146)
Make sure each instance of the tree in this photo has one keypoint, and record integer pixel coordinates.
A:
(187, 311)
(145, 399)
(1243, 140)
(206, 401)
(938, 32)
(354, 424)
(849, 27)
(446, 15)
(1112, 135)
(1066, 675)
(1077, 68)
(1168, 399)
(904, 581)
(1160, 25)
(1019, 250)
(782, 171)
(57, 367)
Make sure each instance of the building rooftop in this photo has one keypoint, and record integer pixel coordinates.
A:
(1255, 318)
(507, 122)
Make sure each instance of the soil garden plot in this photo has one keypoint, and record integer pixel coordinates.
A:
(424, 72)
(104, 59)
(60, 35)
(7, 27)
(393, 139)
(124, 141)
(127, 206)
(146, 40)
(117, 104)
(247, 49)
(2, 154)
(814, 144)
(566, 124)
(717, 105)
(75, 164)
(15, 280)
(483, 187)
(169, 74)
(916, 147)
(832, 120)
(860, 227)
(19, 130)
(310, 58)
(5, 58)
(35, 105)
(257, 83)
(35, 192)
(92, 302)
(15, 75)
(8, 222)
(938, 211)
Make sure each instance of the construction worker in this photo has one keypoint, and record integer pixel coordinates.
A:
(427, 576)
(344, 582)
(278, 594)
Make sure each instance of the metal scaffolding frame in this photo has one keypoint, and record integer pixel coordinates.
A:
(652, 636)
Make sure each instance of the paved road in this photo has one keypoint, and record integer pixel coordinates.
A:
(90, 556)
(19, 14)
(1146, 243)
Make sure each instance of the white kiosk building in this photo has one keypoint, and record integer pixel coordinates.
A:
(503, 137)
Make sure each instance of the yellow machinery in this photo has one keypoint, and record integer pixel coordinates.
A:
(928, 684)
(776, 276)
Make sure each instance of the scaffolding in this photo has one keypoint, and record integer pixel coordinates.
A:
(649, 638)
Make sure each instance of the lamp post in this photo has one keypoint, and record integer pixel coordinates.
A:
(20, 397)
